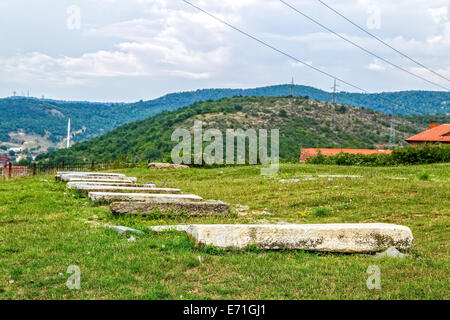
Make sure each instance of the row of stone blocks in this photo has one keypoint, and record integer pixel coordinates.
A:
(127, 197)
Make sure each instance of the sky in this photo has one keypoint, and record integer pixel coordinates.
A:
(128, 50)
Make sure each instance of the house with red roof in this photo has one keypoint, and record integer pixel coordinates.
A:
(4, 161)
(312, 152)
(435, 135)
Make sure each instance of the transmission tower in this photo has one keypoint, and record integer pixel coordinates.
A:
(392, 134)
(333, 110)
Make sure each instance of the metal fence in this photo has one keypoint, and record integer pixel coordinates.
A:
(36, 168)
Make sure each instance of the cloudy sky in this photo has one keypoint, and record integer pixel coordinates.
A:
(126, 50)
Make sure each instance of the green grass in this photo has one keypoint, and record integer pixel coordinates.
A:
(44, 229)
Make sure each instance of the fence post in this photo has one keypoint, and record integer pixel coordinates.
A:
(9, 170)
(63, 166)
(92, 165)
(34, 168)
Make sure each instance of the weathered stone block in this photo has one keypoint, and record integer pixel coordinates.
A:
(74, 185)
(90, 188)
(340, 237)
(166, 166)
(106, 197)
(193, 208)
(103, 174)
(84, 180)
(75, 177)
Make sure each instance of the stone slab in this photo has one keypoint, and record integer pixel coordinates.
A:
(193, 208)
(90, 172)
(104, 174)
(90, 188)
(166, 166)
(107, 197)
(83, 180)
(73, 177)
(339, 237)
(74, 185)
(123, 229)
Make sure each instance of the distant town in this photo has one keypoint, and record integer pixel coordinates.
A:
(16, 155)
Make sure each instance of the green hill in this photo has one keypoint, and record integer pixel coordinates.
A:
(302, 123)
(48, 118)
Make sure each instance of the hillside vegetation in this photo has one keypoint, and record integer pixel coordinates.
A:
(48, 118)
(302, 123)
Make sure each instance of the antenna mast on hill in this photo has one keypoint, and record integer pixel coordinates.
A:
(334, 92)
(333, 111)
(68, 134)
(292, 87)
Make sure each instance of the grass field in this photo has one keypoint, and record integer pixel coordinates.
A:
(44, 229)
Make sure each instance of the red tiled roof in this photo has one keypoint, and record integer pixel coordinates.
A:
(311, 152)
(438, 134)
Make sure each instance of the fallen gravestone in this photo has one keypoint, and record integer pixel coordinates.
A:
(107, 197)
(333, 237)
(130, 180)
(289, 180)
(74, 177)
(103, 174)
(166, 166)
(192, 208)
(122, 229)
(391, 252)
(74, 185)
(89, 188)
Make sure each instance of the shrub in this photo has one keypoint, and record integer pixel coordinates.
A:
(322, 212)
(424, 176)
(400, 156)
(341, 109)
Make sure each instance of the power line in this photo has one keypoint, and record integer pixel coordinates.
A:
(288, 55)
(384, 42)
(275, 49)
(362, 48)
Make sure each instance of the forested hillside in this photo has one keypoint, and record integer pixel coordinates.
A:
(302, 123)
(48, 118)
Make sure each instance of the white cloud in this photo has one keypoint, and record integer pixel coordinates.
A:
(376, 65)
(438, 14)
(153, 39)
(296, 64)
